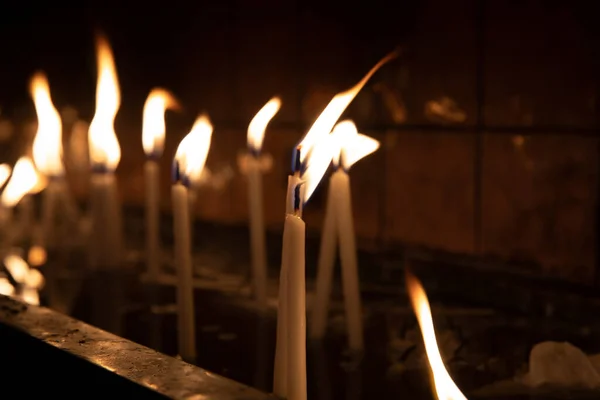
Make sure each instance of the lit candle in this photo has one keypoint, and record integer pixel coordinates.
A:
(189, 162)
(311, 159)
(106, 238)
(153, 141)
(23, 180)
(253, 164)
(339, 225)
(48, 158)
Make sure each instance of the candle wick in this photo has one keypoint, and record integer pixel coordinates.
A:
(296, 162)
(254, 152)
(176, 173)
(297, 198)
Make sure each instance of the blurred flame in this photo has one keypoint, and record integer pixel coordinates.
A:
(34, 279)
(319, 161)
(24, 178)
(6, 288)
(193, 149)
(445, 387)
(31, 296)
(104, 146)
(36, 256)
(329, 116)
(47, 145)
(258, 125)
(352, 146)
(153, 126)
(17, 267)
(5, 171)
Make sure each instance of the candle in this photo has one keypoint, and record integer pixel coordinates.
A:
(106, 238)
(311, 159)
(339, 225)
(189, 162)
(23, 179)
(252, 165)
(153, 140)
(48, 158)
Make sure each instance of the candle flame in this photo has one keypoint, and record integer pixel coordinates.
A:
(329, 116)
(105, 152)
(31, 296)
(153, 125)
(6, 288)
(5, 171)
(17, 267)
(258, 125)
(24, 179)
(47, 145)
(192, 151)
(445, 387)
(319, 161)
(34, 279)
(352, 146)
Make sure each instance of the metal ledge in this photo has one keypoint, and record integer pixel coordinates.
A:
(56, 354)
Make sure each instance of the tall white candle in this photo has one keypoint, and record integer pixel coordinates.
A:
(189, 162)
(183, 261)
(106, 236)
(153, 139)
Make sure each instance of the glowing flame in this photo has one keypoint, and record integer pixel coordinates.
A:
(258, 125)
(47, 145)
(37, 256)
(153, 127)
(193, 150)
(105, 152)
(6, 288)
(34, 279)
(319, 161)
(352, 146)
(24, 178)
(445, 387)
(17, 267)
(5, 171)
(31, 296)
(329, 116)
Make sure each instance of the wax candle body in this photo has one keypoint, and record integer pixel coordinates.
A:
(26, 217)
(59, 213)
(106, 238)
(350, 281)
(153, 248)
(327, 252)
(50, 200)
(296, 302)
(183, 263)
(257, 231)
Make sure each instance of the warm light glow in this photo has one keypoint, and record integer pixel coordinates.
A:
(6, 288)
(445, 387)
(353, 146)
(47, 145)
(5, 171)
(105, 152)
(258, 125)
(329, 116)
(24, 178)
(34, 279)
(31, 296)
(36, 256)
(319, 161)
(153, 127)
(193, 150)
(17, 267)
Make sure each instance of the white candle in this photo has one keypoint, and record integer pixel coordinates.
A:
(106, 236)
(153, 139)
(188, 164)
(153, 247)
(183, 261)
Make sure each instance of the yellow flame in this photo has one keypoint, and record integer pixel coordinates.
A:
(24, 178)
(193, 149)
(5, 171)
(37, 256)
(258, 125)
(153, 126)
(31, 296)
(104, 146)
(445, 387)
(17, 267)
(34, 279)
(319, 161)
(329, 116)
(352, 146)
(6, 288)
(47, 145)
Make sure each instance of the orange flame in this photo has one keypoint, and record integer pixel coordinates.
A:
(23, 180)
(153, 123)
(6, 288)
(353, 146)
(258, 125)
(47, 145)
(445, 387)
(104, 146)
(193, 149)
